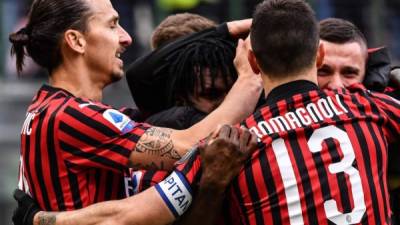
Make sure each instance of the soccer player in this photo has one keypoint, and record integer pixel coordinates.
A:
(162, 204)
(324, 153)
(345, 65)
(179, 25)
(187, 69)
(76, 151)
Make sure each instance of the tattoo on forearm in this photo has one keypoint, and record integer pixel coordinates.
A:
(47, 218)
(157, 141)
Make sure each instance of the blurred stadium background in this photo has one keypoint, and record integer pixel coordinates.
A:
(378, 19)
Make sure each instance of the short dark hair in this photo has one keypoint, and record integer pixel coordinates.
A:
(340, 31)
(284, 36)
(41, 38)
(178, 25)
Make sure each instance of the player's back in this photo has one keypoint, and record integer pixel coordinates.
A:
(322, 159)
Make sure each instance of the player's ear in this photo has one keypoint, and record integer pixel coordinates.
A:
(253, 62)
(320, 55)
(75, 40)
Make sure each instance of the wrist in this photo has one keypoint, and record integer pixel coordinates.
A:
(209, 183)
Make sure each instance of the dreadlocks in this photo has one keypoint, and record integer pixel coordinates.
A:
(188, 67)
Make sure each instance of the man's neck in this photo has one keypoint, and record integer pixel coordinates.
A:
(270, 84)
(77, 82)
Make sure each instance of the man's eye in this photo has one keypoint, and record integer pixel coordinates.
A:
(322, 72)
(350, 75)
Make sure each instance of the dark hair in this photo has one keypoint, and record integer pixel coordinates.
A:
(41, 38)
(340, 31)
(179, 25)
(284, 36)
(188, 65)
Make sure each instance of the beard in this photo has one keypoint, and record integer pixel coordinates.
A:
(117, 76)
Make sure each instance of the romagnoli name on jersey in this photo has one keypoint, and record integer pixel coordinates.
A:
(317, 112)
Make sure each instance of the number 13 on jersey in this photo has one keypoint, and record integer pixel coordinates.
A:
(345, 165)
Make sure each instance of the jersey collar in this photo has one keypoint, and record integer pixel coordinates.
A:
(51, 89)
(289, 89)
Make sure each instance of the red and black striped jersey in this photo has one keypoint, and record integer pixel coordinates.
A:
(144, 179)
(322, 158)
(75, 152)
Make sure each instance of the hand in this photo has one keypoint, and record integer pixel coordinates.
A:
(224, 155)
(241, 61)
(239, 28)
(26, 210)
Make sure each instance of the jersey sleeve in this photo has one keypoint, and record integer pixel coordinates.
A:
(94, 135)
(144, 179)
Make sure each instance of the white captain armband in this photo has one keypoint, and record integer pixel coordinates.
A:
(176, 193)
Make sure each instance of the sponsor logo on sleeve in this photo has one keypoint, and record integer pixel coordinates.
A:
(121, 121)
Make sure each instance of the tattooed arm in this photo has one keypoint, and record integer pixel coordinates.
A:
(156, 150)
(144, 208)
(222, 158)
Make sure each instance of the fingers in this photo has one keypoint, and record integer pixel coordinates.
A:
(225, 132)
(234, 137)
(244, 139)
(241, 61)
(239, 28)
(253, 142)
(241, 48)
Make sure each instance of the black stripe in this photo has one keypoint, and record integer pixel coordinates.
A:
(121, 192)
(269, 182)
(74, 185)
(134, 137)
(90, 156)
(53, 160)
(239, 196)
(93, 142)
(109, 185)
(252, 188)
(39, 161)
(97, 177)
(96, 125)
(147, 179)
